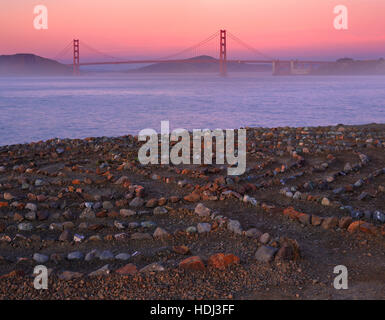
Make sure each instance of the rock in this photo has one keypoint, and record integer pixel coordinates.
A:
(87, 213)
(127, 213)
(222, 261)
(128, 269)
(141, 236)
(123, 256)
(160, 210)
(91, 255)
(330, 223)
(253, 233)
(69, 275)
(106, 255)
(42, 215)
(7, 196)
(265, 238)
(25, 226)
(31, 206)
(203, 227)
(345, 222)
(64, 236)
(136, 202)
(122, 180)
(120, 225)
(288, 251)
(202, 211)
(354, 226)
(153, 267)
(304, 218)
(181, 250)
(107, 205)
(160, 233)
(379, 216)
(148, 224)
(193, 263)
(358, 183)
(191, 229)
(265, 254)
(76, 255)
(234, 226)
(103, 271)
(316, 220)
(40, 258)
(364, 195)
(192, 197)
(325, 202)
(151, 203)
(348, 167)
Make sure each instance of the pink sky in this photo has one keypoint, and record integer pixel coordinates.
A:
(151, 28)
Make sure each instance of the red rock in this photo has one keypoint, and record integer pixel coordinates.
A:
(291, 213)
(192, 197)
(113, 214)
(128, 269)
(193, 263)
(316, 220)
(3, 204)
(181, 249)
(14, 273)
(222, 261)
(353, 227)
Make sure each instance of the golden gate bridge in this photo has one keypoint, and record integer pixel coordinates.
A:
(278, 66)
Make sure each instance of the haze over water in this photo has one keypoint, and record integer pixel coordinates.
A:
(33, 109)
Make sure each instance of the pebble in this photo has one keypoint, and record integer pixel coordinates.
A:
(202, 211)
(123, 256)
(76, 255)
(160, 210)
(25, 226)
(127, 213)
(203, 227)
(40, 258)
(234, 226)
(265, 254)
(265, 238)
(103, 271)
(106, 255)
(160, 233)
(136, 202)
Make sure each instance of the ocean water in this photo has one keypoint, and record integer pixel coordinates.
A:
(33, 109)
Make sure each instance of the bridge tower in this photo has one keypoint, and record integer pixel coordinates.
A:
(222, 54)
(76, 57)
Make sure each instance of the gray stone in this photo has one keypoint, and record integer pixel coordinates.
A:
(31, 206)
(40, 258)
(265, 254)
(107, 205)
(265, 238)
(127, 213)
(76, 255)
(202, 211)
(234, 226)
(31, 215)
(253, 233)
(160, 210)
(25, 226)
(148, 224)
(123, 256)
(87, 213)
(106, 255)
(137, 202)
(191, 229)
(203, 227)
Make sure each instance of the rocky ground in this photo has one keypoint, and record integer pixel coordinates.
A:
(108, 227)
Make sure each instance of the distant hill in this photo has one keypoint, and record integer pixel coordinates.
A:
(191, 66)
(30, 64)
(348, 66)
